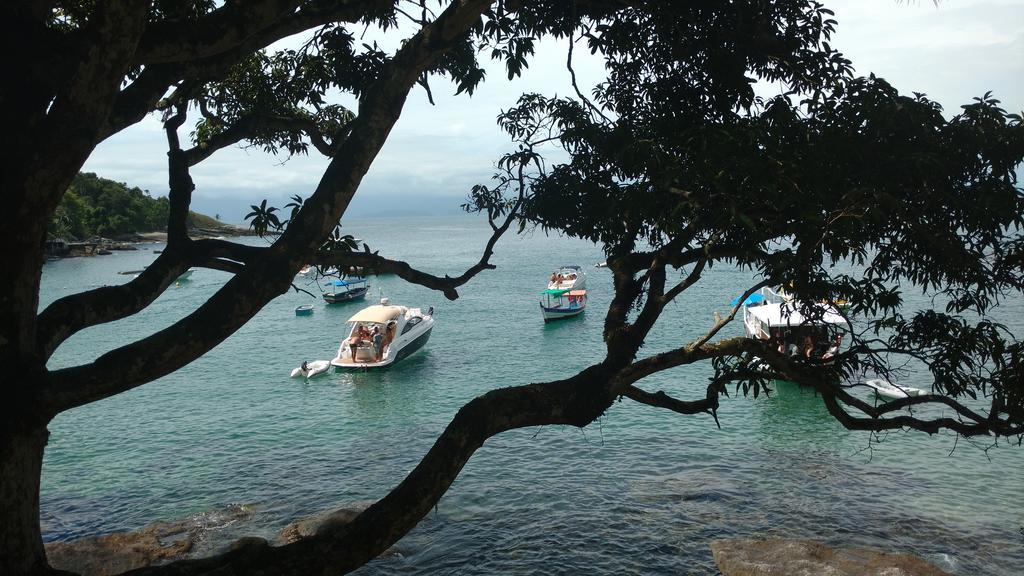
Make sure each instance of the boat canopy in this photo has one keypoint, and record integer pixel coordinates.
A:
(754, 298)
(788, 314)
(349, 282)
(377, 313)
(554, 292)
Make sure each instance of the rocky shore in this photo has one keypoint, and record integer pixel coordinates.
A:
(163, 542)
(100, 246)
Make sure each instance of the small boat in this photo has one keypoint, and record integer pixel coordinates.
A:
(568, 278)
(304, 310)
(305, 270)
(557, 304)
(347, 290)
(311, 369)
(402, 331)
(890, 390)
(601, 264)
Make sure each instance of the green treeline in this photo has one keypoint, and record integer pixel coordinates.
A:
(95, 206)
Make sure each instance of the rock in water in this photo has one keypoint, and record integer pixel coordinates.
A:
(122, 551)
(320, 523)
(785, 557)
(156, 543)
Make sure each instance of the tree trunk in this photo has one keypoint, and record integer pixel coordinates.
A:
(21, 461)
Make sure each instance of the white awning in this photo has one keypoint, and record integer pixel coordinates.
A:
(377, 313)
(788, 314)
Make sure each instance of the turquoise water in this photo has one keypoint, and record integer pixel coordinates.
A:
(642, 490)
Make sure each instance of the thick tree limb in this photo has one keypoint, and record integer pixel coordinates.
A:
(70, 314)
(661, 400)
(143, 95)
(245, 294)
(234, 24)
(248, 126)
(576, 401)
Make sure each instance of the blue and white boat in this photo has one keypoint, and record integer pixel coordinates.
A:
(556, 304)
(347, 290)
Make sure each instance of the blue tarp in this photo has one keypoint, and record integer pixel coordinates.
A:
(752, 299)
(349, 282)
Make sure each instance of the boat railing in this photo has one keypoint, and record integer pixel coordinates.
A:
(774, 296)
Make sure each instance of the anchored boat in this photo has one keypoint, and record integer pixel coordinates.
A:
(556, 304)
(311, 369)
(347, 290)
(382, 334)
(568, 278)
(890, 390)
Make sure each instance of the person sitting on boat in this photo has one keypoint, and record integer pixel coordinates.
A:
(808, 348)
(554, 278)
(834, 348)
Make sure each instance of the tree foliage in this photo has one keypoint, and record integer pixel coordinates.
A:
(675, 165)
(94, 206)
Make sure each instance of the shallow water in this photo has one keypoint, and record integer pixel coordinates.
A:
(641, 491)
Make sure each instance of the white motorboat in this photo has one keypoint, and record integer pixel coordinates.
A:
(772, 317)
(890, 390)
(568, 278)
(311, 369)
(399, 330)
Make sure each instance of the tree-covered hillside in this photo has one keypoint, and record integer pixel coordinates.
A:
(95, 206)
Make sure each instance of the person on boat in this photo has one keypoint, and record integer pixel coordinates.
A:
(808, 348)
(554, 278)
(378, 344)
(389, 337)
(358, 337)
(834, 348)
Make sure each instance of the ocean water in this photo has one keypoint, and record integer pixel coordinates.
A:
(642, 490)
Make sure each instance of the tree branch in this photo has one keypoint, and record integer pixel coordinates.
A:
(576, 401)
(262, 280)
(248, 126)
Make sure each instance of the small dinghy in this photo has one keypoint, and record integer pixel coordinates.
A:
(890, 390)
(304, 310)
(311, 369)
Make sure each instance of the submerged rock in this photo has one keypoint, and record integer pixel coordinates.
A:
(115, 553)
(785, 557)
(320, 523)
(156, 543)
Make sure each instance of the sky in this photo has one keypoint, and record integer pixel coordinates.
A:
(952, 51)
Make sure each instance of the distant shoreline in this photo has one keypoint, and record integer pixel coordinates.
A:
(100, 246)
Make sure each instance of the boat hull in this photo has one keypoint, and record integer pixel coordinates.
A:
(339, 297)
(306, 310)
(406, 351)
(552, 314)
